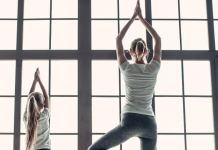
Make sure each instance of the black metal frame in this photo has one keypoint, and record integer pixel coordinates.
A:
(85, 55)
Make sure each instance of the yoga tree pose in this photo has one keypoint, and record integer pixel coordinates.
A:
(137, 117)
(36, 117)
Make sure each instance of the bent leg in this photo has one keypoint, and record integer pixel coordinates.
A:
(111, 139)
(147, 144)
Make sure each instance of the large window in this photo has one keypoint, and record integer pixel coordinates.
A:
(72, 42)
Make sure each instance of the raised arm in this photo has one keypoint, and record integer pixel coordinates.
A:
(43, 89)
(33, 87)
(120, 52)
(156, 37)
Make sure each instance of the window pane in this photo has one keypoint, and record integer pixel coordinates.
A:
(133, 143)
(64, 115)
(105, 78)
(215, 11)
(104, 9)
(168, 9)
(23, 106)
(196, 119)
(7, 142)
(7, 77)
(22, 142)
(169, 33)
(176, 142)
(65, 9)
(63, 142)
(127, 8)
(169, 79)
(105, 114)
(194, 35)
(37, 9)
(216, 33)
(36, 34)
(28, 70)
(7, 115)
(64, 34)
(197, 78)
(8, 33)
(96, 137)
(8, 9)
(136, 30)
(200, 142)
(174, 121)
(64, 77)
(189, 9)
(107, 40)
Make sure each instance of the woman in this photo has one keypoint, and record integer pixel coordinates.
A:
(137, 117)
(36, 118)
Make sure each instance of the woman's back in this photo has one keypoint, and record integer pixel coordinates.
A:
(140, 80)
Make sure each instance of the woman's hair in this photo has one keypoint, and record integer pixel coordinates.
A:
(138, 46)
(35, 102)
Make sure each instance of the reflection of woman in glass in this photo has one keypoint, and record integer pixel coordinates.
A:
(36, 118)
(137, 115)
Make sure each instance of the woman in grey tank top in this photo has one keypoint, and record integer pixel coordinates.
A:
(36, 117)
(137, 117)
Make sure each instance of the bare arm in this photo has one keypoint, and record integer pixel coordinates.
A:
(156, 37)
(43, 90)
(33, 87)
(120, 52)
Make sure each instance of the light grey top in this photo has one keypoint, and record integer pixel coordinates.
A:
(43, 135)
(140, 81)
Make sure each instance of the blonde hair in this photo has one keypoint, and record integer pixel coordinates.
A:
(35, 102)
(138, 46)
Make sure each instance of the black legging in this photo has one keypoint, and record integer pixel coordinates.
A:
(132, 125)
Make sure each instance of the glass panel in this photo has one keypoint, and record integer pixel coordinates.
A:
(36, 34)
(136, 30)
(174, 120)
(189, 9)
(104, 34)
(200, 142)
(104, 9)
(176, 142)
(197, 78)
(194, 35)
(28, 70)
(8, 8)
(169, 33)
(169, 79)
(23, 142)
(105, 114)
(64, 77)
(64, 115)
(8, 33)
(64, 142)
(215, 11)
(127, 8)
(64, 34)
(168, 9)
(123, 102)
(105, 79)
(7, 142)
(216, 33)
(133, 143)
(23, 107)
(196, 119)
(7, 115)
(37, 9)
(65, 9)
(7, 77)
(96, 137)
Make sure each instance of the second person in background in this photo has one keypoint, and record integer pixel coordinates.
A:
(137, 117)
